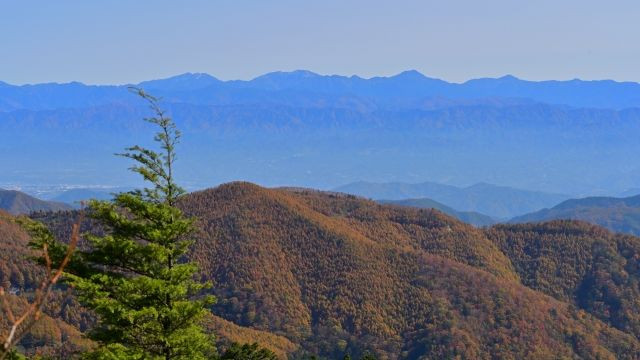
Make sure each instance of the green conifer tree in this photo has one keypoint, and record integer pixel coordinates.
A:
(133, 274)
(248, 352)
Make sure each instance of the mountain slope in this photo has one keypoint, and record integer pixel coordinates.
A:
(16, 202)
(616, 214)
(338, 273)
(578, 263)
(495, 201)
(470, 217)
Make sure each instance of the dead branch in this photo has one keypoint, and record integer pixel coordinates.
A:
(21, 325)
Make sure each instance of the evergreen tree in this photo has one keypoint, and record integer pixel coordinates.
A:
(248, 352)
(133, 275)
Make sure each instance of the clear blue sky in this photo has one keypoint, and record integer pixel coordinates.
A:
(120, 41)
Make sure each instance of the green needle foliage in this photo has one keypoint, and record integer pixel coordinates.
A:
(133, 275)
(248, 352)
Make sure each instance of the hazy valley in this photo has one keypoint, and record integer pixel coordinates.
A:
(303, 129)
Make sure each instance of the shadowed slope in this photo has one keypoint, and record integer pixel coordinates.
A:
(580, 264)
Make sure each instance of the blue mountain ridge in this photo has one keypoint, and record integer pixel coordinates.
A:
(304, 129)
(408, 84)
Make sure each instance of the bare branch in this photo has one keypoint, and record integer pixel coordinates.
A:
(20, 326)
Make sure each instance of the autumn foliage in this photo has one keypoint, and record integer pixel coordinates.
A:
(313, 273)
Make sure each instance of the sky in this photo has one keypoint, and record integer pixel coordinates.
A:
(124, 41)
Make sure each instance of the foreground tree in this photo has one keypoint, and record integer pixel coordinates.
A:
(248, 352)
(132, 275)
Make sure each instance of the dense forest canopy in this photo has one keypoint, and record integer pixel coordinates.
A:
(332, 274)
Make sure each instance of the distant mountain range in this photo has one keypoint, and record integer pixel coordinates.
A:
(616, 214)
(76, 196)
(606, 94)
(499, 202)
(469, 217)
(16, 202)
(304, 129)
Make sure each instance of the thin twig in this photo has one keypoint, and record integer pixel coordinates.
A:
(21, 326)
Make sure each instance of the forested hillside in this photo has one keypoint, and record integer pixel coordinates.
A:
(578, 263)
(331, 274)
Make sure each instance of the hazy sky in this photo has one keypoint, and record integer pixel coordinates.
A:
(120, 41)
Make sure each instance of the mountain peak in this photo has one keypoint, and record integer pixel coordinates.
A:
(304, 73)
(182, 82)
(194, 76)
(481, 185)
(509, 77)
(411, 74)
(296, 74)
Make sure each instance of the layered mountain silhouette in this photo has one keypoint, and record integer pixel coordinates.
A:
(616, 214)
(469, 217)
(409, 84)
(304, 129)
(492, 200)
(75, 197)
(333, 274)
(16, 202)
